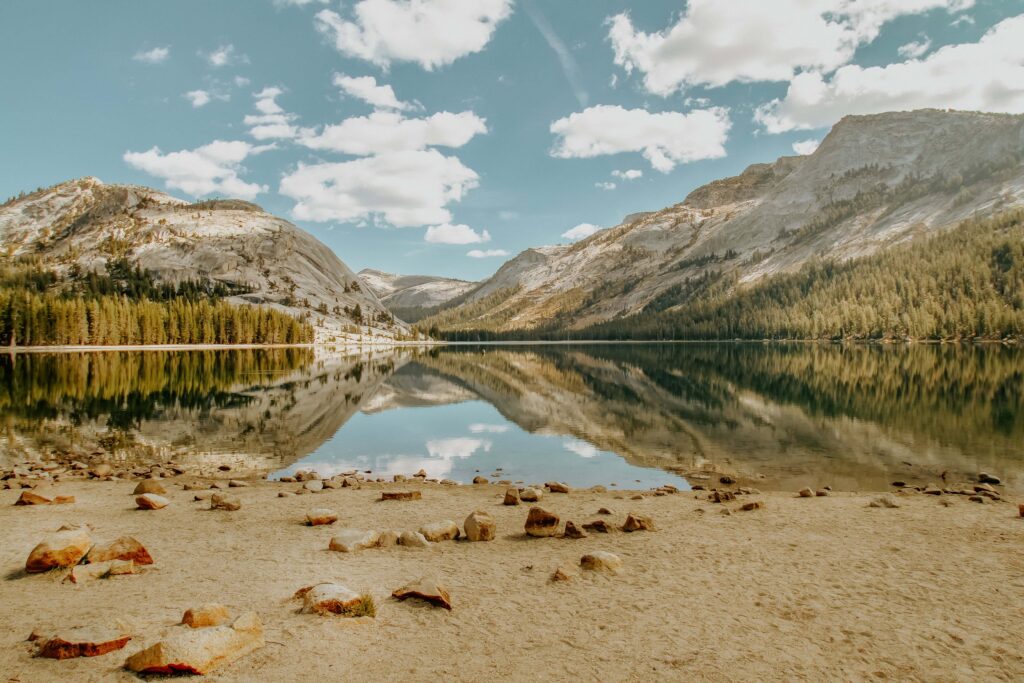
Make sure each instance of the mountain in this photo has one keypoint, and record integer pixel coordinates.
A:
(84, 225)
(411, 297)
(874, 182)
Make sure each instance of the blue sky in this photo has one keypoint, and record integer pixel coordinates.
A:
(421, 137)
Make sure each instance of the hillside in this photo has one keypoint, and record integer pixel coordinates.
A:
(83, 226)
(873, 183)
(412, 297)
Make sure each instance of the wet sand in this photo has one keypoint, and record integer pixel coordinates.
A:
(803, 589)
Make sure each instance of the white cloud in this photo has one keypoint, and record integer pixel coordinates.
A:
(508, 215)
(665, 139)
(298, 3)
(631, 174)
(605, 185)
(158, 55)
(457, 447)
(198, 98)
(366, 89)
(209, 169)
(715, 42)
(479, 428)
(431, 33)
(580, 231)
(805, 147)
(985, 76)
(241, 81)
(382, 132)
(273, 122)
(224, 55)
(915, 49)
(486, 253)
(963, 19)
(405, 189)
(455, 234)
(580, 448)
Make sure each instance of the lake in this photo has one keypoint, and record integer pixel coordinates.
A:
(854, 417)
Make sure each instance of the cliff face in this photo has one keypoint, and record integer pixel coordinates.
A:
(87, 223)
(875, 181)
(412, 296)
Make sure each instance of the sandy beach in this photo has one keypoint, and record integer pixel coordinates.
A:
(801, 589)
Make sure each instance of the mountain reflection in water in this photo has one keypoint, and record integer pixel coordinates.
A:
(787, 415)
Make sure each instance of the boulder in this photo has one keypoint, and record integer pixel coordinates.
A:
(351, 540)
(511, 497)
(237, 483)
(123, 548)
(200, 650)
(413, 539)
(822, 492)
(88, 641)
(387, 538)
(150, 486)
(82, 573)
(601, 560)
(401, 495)
(332, 484)
(806, 492)
(557, 487)
(541, 523)
(598, 525)
(151, 501)
(212, 614)
(427, 589)
(886, 501)
(573, 531)
(435, 532)
(60, 549)
(530, 494)
(635, 522)
(480, 526)
(333, 598)
(752, 505)
(480, 480)
(313, 485)
(30, 497)
(222, 501)
(986, 478)
(321, 516)
(102, 470)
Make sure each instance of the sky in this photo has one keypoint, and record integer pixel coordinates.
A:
(444, 136)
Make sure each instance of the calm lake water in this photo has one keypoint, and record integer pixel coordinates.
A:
(785, 415)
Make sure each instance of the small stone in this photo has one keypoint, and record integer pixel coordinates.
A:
(806, 493)
(480, 526)
(598, 525)
(29, 497)
(82, 573)
(219, 486)
(978, 499)
(313, 485)
(598, 489)
(435, 532)
(635, 522)
(321, 516)
(511, 497)
(946, 502)
(222, 501)
(752, 505)
(123, 548)
(102, 470)
(83, 642)
(399, 478)
(638, 496)
(63, 500)
(886, 501)
(213, 614)
(151, 501)
(401, 495)
(237, 483)
(480, 480)
(285, 494)
(1020, 509)
(425, 589)
(557, 487)
(573, 531)
(351, 540)
(932, 490)
(421, 474)
(541, 523)
(387, 538)
(332, 484)
(899, 484)
(601, 560)
(986, 478)
(530, 495)
(604, 511)
(726, 480)
(150, 486)
(203, 495)
(60, 549)
(413, 539)
(333, 598)
(200, 650)
(984, 488)
(822, 493)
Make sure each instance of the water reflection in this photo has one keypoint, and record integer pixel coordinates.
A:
(786, 415)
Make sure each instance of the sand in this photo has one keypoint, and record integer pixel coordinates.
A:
(804, 589)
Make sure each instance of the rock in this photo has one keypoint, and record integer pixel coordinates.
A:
(422, 474)
(984, 488)
(82, 573)
(721, 496)
(822, 492)
(806, 493)
(530, 495)
(150, 486)
(212, 614)
(425, 589)
(604, 511)
(123, 548)
(978, 499)
(598, 525)
(480, 526)
(986, 478)
(83, 642)
(401, 495)
(601, 560)
(752, 505)
(321, 516)
(1020, 509)
(222, 501)
(237, 483)
(332, 484)
(285, 494)
(102, 470)
(151, 501)
(200, 650)
(351, 540)
(399, 478)
(726, 480)
(932, 490)
(561, 574)
(635, 522)
(886, 501)
(573, 531)
(313, 485)
(638, 496)
(30, 497)
(480, 480)
(413, 539)
(219, 486)
(899, 484)
(511, 497)
(333, 598)
(541, 523)
(63, 500)
(59, 549)
(387, 538)
(436, 532)
(557, 487)
(203, 495)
